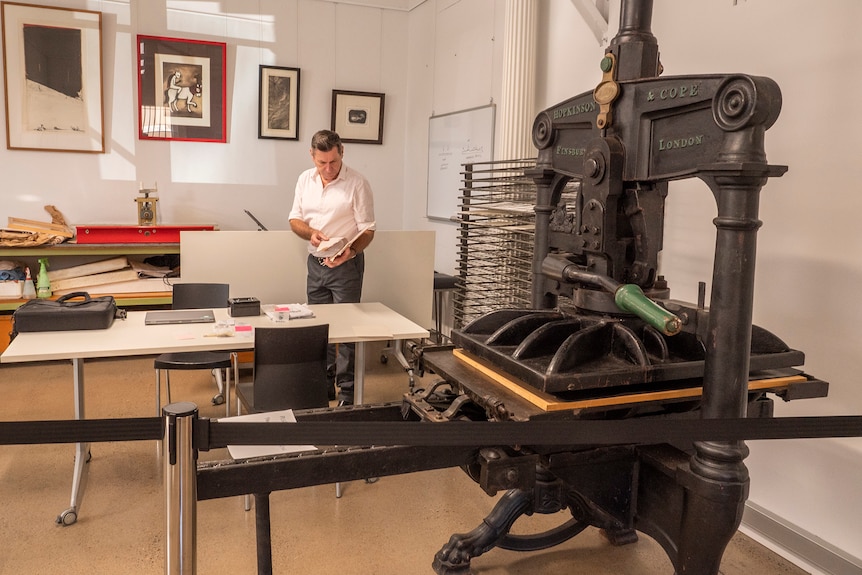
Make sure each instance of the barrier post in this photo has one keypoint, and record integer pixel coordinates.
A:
(180, 488)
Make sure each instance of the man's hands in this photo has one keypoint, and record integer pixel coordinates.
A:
(347, 254)
(316, 237)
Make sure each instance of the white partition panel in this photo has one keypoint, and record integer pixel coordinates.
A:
(399, 267)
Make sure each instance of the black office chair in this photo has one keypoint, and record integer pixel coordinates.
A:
(197, 296)
(289, 370)
(289, 373)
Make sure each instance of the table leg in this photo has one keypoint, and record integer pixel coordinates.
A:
(82, 451)
(359, 373)
(235, 358)
(358, 388)
(398, 351)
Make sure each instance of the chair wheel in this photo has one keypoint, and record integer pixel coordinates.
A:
(218, 399)
(68, 517)
(384, 359)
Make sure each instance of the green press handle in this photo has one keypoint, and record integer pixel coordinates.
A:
(632, 299)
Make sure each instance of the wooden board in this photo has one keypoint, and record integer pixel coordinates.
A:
(5, 329)
(109, 265)
(95, 280)
(42, 227)
(146, 286)
(548, 402)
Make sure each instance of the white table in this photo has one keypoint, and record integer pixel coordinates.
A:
(348, 323)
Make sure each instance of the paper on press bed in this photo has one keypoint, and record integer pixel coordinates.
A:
(248, 451)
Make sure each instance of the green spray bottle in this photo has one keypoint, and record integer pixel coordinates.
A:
(43, 284)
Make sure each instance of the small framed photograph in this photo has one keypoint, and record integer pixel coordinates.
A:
(182, 89)
(278, 111)
(358, 116)
(53, 78)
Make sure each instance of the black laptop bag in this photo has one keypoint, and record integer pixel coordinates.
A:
(72, 311)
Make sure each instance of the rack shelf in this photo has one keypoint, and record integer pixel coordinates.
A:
(73, 249)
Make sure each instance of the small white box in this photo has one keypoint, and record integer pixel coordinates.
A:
(11, 289)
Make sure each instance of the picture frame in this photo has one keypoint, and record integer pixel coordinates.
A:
(182, 89)
(278, 107)
(358, 116)
(45, 110)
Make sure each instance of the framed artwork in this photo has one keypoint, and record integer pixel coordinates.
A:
(52, 62)
(278, 108)
(182, 90)
(358, 116)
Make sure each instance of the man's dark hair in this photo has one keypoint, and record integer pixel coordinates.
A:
(325, 140)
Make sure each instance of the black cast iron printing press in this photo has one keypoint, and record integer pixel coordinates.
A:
(603, 339)
(621, 336)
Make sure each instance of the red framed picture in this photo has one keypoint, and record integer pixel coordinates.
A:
(182, 90)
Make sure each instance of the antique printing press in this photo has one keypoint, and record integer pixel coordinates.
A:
(603, 340)
(623, 142)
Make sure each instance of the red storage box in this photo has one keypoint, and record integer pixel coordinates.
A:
(134, 234)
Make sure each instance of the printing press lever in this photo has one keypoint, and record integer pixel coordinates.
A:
(628, 297)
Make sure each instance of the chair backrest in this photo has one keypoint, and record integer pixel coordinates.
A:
(290, 367)
(200, 295)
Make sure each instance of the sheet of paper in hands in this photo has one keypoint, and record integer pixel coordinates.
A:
(333, 247)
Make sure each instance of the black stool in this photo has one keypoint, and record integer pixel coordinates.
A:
(442, 283)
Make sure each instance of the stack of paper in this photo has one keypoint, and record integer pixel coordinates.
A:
(92, 274)
(92, 268)
(115, 275)
(287, 311)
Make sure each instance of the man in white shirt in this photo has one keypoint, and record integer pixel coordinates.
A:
(333, 200)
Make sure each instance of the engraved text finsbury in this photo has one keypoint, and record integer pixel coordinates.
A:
(574, 110)
(677, 143)
(674, 93)
(562, 151)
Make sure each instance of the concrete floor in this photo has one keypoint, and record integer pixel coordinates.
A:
(394, 526)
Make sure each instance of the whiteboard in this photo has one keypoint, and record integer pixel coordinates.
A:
(454, 139)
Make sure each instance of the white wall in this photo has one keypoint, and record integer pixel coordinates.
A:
(456, 54)
(808, 254)
(809, 267)
(336, 46)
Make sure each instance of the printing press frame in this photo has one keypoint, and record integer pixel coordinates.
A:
(622, 334)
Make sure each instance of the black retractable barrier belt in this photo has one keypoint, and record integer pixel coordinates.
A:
(581, 432)
(213, 434)
(80, 430)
